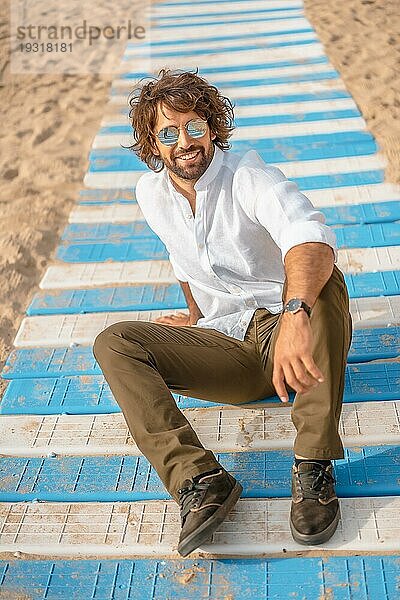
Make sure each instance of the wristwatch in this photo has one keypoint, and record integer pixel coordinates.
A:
(295, 304)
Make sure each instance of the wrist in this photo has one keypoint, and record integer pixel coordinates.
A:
(297, 305)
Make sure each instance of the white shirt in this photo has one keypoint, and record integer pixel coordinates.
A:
(248, 215)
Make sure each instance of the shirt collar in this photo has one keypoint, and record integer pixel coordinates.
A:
(212, 170)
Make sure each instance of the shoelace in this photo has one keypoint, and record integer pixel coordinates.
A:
(189, 495)
(314, 483)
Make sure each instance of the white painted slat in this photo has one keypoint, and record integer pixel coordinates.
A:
(253, 528)
(327, 166)
(360, 194)
(224, 19)
(361, 260)
(256, 91)
(82, 275)
(116, 213)
(66, 330)
(264, 110)
(243, 57)
(375, 312)
(251, 132)
(136, 51)
(220, 429)
(108, 179)
(123, 84)
(193, 34)
(323, 166)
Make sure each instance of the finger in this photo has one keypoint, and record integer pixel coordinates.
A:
(278, 382)
(292, 380)
(302, 375)
(166, 320)
(313, 369)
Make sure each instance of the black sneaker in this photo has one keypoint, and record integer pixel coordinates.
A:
(205, 501)
(314, 513)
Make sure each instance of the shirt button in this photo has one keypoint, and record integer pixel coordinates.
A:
(201, 246)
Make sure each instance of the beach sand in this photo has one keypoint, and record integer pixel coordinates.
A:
(362, 40)
(49, 121)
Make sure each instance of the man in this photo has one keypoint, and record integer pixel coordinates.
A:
(268, 310)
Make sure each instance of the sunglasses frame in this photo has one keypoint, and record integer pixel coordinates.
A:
(173, 141)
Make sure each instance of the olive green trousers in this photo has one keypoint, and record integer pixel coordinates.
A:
(143, 362)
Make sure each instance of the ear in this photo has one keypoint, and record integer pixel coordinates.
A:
(213, 135)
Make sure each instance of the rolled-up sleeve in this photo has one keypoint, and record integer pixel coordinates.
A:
(288, 214)
(179, 273)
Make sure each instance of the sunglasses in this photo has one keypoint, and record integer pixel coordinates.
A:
(196, 128)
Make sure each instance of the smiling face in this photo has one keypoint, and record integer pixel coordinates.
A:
(189, 158)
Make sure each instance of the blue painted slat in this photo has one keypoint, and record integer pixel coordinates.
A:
(319, 182)
(367, 344)
(140, 249)
(378, 212)
(296, 143)
(231, 49)
(374, 343)
(317, 60)
(151, 248)
(281, 152)
(368, 471)
(382, 283)
(103, 299)
(336, 577)
(165, 296)
(49, 362)
(368, 236)
(90, 394)
(318, 141)
(184, 41)
(260, 120)
(250, 83)
(256, 11)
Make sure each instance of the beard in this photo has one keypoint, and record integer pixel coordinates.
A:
(194, 171)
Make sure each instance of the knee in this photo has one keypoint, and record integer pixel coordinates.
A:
(111, 338)
(103, 340)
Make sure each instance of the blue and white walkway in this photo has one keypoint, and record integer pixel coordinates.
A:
(82, 513)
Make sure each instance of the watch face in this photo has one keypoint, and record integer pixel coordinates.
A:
(294, 304)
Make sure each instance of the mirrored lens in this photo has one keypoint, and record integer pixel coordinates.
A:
(196, 128)
(170, 135)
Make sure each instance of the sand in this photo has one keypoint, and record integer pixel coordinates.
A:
(51, 121)
(48, 125)
(362, 40)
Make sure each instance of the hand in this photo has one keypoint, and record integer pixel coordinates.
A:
(293, 361)
(178, 320)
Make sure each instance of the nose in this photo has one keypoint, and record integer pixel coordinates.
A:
(184, 140)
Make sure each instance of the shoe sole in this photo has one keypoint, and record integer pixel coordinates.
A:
(204, 532)
(316, 538)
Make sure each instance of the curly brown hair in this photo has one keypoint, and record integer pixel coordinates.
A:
(182, 91)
